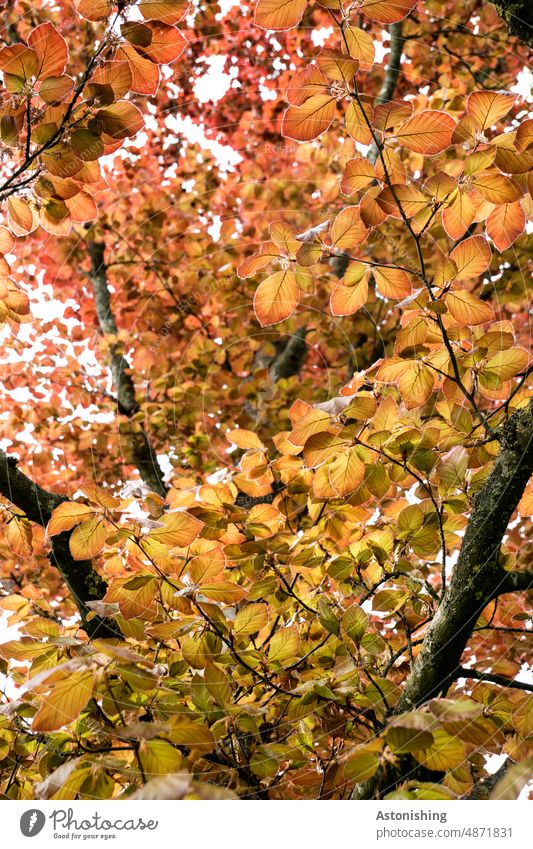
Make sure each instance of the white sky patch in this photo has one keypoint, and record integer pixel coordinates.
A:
(524, 84)
(320, 36)
(216, 82)
(226, 157)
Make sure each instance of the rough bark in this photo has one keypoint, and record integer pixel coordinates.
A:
(141, 446)
(392, 74)
(478, 576)
(83, 581)
(477, 579)
(291, 358)
(518, 15)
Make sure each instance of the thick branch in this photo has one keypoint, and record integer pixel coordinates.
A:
(478, 576)
(83, 581)
(291, 358)
(142, 449)
(518, 15)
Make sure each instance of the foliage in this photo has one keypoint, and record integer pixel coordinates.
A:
(270, 602)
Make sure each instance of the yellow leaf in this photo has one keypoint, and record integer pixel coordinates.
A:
(346, 473)
(416, 385)
(67, 515)
(19, 535)
(158, 757)
(178, 531)
(65, 701)
(467, 309)
(88, 539)
(284, 645)
(251, 619)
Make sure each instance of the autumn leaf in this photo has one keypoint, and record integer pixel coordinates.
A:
(505, 224)
(67, 515)
(51, 49)
(468, 309)
(277, 297)
(65, 701)
(488, 107)
(472, 257)
(428, 132)
(387, 11)
(310, 120)
(279, 14)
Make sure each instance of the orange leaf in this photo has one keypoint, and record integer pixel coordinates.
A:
(55, 89)
(387, 11)
(88, 539)
(360, 46)
(346, 300)
(121, 120)
(467, 309)
(459, 215)
(356, 122)
(427, 132)
(277, 297)
(357, 175)
(496, 187)
(487, 107)
(155, 41)
(279, 14)
(67, 515)
(348, 229)
(392, 282)
(20, 61)
(346, 473)
(505, 223)
(524, 136)
(168, 11)
(472, 257)
(411, 200)
(178, 531)
(305, 84)
(306, 122)
(94, 10)
(252, 264)
(145, 75)
(245, 439)
(51, 49)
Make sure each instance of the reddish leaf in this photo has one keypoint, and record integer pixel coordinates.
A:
(51, 49)
(505, 224)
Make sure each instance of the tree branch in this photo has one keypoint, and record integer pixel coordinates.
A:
(142, 449)
(392, 75)
(478, 576)
(464, 672)
(82, 580)
(477, 579)
(518, 15)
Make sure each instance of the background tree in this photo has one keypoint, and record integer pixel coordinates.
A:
(282, 555)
